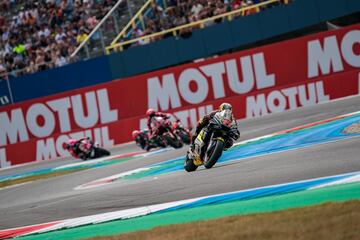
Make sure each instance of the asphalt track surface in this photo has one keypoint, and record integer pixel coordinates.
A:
(54, 199)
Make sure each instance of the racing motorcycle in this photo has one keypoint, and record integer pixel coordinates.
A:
(182, 132)
(210, 143)
(163, 135)
(92, 150)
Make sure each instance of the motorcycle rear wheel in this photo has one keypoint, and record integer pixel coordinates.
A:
(101, 152)
(214, 155)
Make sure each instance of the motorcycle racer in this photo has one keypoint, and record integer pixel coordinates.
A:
(142, 139)
(161, 130)
(151, 113)
(76, 148)
(205, 121)
(183, 132)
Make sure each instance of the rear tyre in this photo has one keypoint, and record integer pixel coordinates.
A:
(101, 152)
(213, 154)
(159, 142)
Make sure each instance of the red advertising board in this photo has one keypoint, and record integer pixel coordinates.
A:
(265, 80)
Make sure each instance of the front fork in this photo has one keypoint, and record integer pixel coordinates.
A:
(200, 146)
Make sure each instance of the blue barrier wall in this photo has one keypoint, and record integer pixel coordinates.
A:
(5, 97)
(171, 51)
(72, 76)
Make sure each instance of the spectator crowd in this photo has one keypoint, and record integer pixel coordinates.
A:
(36, 35)
(180, 12)
(40, 34)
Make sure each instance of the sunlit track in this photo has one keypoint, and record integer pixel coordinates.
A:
(322, 132)
(54, 199)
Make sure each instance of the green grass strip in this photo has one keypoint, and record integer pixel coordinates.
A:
(266, 204)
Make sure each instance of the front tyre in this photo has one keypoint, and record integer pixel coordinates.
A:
(185, 137)
(213, 154)
(173, 142)
(159, 142)
(189, 165)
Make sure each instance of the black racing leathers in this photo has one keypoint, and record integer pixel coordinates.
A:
(235, 134)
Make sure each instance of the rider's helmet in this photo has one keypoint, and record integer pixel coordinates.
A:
(70, 143)
(135, 133)
(150, 112)
(225, 106)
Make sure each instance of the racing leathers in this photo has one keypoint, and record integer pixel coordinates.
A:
(234, 133)
(152, 118)
(77, 149)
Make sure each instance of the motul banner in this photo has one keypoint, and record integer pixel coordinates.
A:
(265, 80)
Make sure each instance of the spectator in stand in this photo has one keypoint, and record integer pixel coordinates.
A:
(44, 31)
(171, 3)
(60, 60)
(3, 74)
(91, 22)
(236, 4)
(60, 35)
(196, 9)
(4, 5)
(40, 34)
(31, 68)
(181, 12)
(2, 21)
(250, 11)
(81, 36)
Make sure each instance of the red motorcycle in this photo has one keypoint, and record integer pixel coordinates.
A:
(163, 133)
(182, 132)
(92, 150)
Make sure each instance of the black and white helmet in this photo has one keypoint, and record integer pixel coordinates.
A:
(225, 106)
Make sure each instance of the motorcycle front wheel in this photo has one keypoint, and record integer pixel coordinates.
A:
(189, 165)
(174, 142)
(159, 142)
(213, 154)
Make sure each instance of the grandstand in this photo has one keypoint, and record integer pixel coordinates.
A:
(181, 19)
(39, 35)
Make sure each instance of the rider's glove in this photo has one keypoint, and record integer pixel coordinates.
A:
(234, 134)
